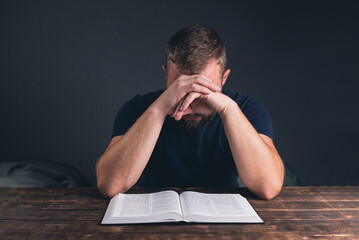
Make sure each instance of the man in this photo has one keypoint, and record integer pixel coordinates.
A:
(194, 133)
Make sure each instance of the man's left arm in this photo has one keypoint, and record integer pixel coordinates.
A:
(258, 162)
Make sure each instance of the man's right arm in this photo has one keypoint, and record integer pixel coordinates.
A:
(122, 164)
(124, 160)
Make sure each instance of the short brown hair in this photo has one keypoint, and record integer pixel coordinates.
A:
(192, 47)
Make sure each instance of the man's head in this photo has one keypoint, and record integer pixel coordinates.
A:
(196, 50)
(192, 47)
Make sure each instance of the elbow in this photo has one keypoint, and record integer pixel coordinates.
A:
(269, 191)
(109, 187)
(268, 195)
(109, 190)
(105, 190)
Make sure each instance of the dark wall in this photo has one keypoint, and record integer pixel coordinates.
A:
(68, 66)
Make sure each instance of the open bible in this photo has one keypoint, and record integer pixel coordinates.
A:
(189, 206)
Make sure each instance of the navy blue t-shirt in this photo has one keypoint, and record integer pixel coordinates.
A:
(191, 158)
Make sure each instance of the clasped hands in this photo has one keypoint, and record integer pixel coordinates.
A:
(193, 94)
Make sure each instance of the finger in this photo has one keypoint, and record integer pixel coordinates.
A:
(179, 105)
(179, 115)
(219, 88)
(176, 111)
(189, 99)
(194, 87)
(202, 81)
(205, 81)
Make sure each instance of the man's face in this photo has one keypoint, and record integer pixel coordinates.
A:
(197, 114)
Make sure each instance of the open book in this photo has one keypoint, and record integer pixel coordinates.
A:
(189, 206)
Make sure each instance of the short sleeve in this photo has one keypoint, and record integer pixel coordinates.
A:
(258, 116)
(127, 115)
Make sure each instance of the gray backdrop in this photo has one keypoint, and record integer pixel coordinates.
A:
(68, 66)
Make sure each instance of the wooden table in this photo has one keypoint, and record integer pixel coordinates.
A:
(75, 213)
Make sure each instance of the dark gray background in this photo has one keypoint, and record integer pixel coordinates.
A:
(68, 66)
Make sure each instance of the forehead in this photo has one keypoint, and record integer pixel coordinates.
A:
(212, 70)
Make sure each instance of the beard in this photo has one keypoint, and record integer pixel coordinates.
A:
(195, 125)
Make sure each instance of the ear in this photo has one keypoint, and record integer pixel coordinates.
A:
(225, 76)
(164, 71)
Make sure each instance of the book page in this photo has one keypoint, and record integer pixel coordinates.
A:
(194, 203)
(167, 206)
(137, 205)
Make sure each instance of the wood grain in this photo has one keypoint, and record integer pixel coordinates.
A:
(76, 213)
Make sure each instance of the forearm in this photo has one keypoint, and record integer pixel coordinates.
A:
(122, 164)
(258, 164)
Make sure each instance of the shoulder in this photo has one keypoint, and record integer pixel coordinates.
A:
(255, 112)
(144, 99)
(138, 104)
(244, 102)
(132, 110)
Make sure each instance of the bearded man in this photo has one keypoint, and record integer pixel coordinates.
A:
(194, 133)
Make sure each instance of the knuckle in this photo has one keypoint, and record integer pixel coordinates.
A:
(204, 89)
(179, 85)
